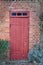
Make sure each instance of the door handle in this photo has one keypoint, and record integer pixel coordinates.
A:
(10, 25)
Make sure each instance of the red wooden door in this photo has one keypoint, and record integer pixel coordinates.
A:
(19, 37)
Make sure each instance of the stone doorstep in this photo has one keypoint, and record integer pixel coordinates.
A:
(16, 62)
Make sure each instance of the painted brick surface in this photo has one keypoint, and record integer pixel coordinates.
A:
(34, 29)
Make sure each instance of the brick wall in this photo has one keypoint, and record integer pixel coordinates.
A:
(34, 33)
(34, 29)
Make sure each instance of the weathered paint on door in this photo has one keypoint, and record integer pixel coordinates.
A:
(19, 36)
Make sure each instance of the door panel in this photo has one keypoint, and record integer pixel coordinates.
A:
(19, 38)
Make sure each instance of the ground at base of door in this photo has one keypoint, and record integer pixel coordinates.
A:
(17, 62)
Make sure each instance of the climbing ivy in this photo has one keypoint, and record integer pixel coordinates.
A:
(36, 54)
(41, 22)
(41, 17)
(4, 47)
